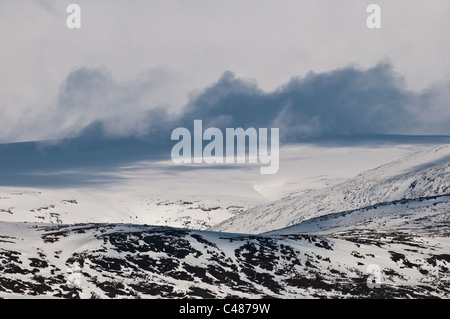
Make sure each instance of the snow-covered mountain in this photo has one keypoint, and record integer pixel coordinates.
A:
(93, 241)
(423, 216)
(418, 175)
(65, 182)
(332, 255)
(136, 261)
(71, 206)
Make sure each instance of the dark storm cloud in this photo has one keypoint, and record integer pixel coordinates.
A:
(347, 101)
(344, 102)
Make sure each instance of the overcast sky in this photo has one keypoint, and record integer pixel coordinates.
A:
(133, 56)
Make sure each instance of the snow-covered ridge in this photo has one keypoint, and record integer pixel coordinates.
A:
(137, 261)
(429, 216)
(53, 243)
(71, 206)
(422, 174)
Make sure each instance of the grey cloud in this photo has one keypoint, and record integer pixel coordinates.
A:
(91, 96)
(346, 102)
(201, 39)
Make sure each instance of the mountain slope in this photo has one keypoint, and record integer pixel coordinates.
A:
(320, 245)
(419, 175)
(136, 261)
(424, 216)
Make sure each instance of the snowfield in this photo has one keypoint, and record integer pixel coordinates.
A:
(315, 230)
(418, 175)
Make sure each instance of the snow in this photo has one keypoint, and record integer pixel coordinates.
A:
(195, 197)
(422, 174)
(310, 231)
(293, 267)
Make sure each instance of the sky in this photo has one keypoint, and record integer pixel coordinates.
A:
(135, 66)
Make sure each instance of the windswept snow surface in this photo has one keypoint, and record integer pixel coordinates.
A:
(319, 238)
(422, 174)
(188, 196)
